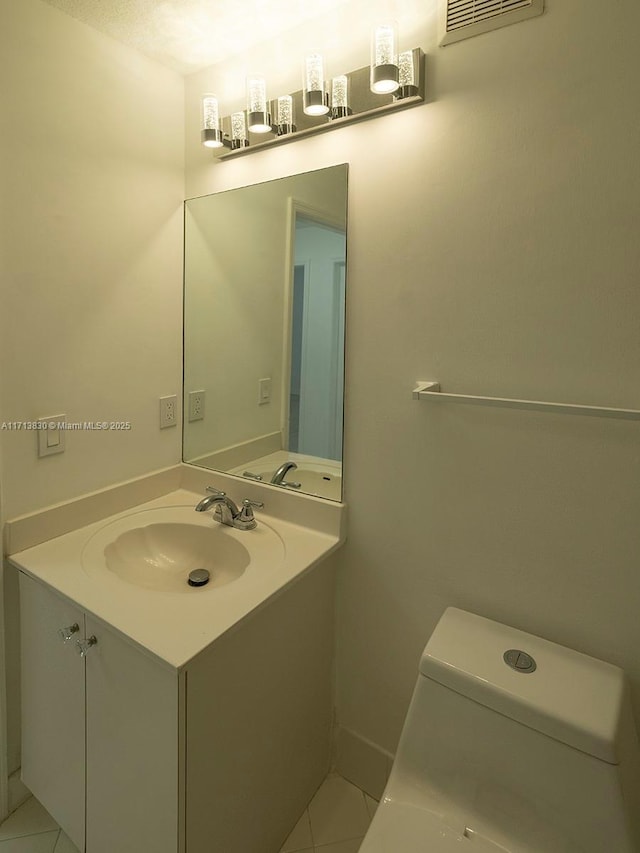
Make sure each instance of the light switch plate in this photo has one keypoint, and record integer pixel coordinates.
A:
(264, 391)
(51, 436)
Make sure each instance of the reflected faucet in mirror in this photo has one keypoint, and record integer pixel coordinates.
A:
(265, 265)
(280, 474)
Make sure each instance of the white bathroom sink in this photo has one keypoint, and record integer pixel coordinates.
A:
(140, 587)
(161, 556)
(157, 549)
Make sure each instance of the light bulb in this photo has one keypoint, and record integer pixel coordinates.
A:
(314, 97)
(211, 133)
(258, 118)
(384, 59)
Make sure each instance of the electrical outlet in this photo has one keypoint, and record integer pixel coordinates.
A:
(196, 405)
(168, 411)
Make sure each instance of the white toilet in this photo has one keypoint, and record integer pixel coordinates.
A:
(511, 743)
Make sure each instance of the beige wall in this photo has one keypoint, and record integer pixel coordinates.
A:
(92, 184)
(91, 176)
(493, 247)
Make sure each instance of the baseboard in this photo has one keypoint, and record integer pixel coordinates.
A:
(18, 791)
(361, 762)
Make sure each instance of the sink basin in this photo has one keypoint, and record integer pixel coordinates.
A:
(160, 556)
(157, 549)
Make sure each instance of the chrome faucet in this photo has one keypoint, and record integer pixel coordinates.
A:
(283, 470)
(226, 510)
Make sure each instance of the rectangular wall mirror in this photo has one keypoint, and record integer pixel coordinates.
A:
(264, 309)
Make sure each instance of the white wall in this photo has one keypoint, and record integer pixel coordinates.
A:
(493, 247)
(92, 185)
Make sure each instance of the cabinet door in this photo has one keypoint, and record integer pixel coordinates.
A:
(53, 715)
(132, 748)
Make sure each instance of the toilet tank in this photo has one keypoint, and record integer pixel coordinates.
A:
(523, 741)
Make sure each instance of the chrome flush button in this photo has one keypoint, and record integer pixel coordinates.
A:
(519, 660)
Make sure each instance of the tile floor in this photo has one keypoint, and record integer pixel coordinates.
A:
(335, 822)
(31, 829)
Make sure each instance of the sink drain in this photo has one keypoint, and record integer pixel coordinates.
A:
(198, 577)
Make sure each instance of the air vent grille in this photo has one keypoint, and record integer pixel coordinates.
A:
(465, 18)
(461, 13)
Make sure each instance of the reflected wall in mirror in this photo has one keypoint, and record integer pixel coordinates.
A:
(264, 299)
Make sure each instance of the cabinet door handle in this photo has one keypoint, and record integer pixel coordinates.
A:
(67, 633)
(83, 646)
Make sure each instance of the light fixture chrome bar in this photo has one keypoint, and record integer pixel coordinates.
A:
(363, 104)
(431, 391)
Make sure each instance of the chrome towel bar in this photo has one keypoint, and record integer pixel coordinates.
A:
(425, 390)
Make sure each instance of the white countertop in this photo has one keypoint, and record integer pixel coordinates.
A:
(175, 627)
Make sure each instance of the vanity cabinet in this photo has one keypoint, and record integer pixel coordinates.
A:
(100, 732)
(53, 711)
(222, 755)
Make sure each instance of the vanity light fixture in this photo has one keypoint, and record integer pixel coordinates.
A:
(384, 58)
(238, 130)
(314, 94)
(211, 132)
(258, 116)
(340, 97)
(389, 83)
(284, 115)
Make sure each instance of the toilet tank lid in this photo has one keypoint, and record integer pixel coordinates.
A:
(570, 696)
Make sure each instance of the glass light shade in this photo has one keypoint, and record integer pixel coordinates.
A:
(284, 115)
(406, 70)
(314, 97)
(408, 74)
(211, 133)
(258, 118)
(239, 130)
(340, 97)
(384, 58)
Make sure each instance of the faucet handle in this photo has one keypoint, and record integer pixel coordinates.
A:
(246, 519)
(215, 491)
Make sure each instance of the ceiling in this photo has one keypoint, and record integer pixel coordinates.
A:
(187, 35)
